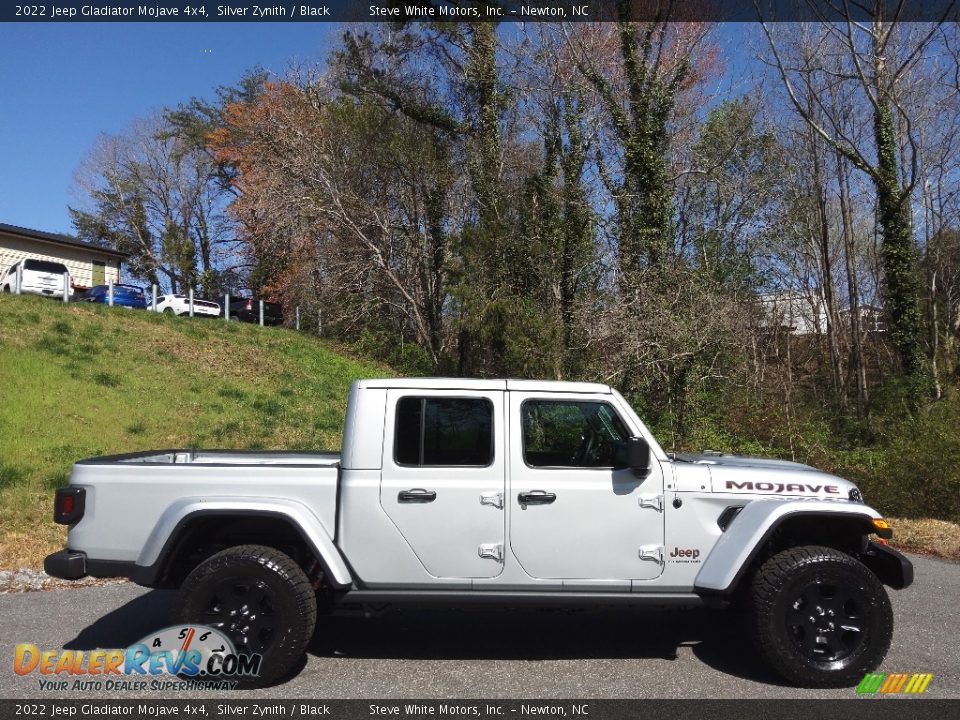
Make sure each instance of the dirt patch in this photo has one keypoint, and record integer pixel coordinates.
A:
(939, 538)
(29, 580)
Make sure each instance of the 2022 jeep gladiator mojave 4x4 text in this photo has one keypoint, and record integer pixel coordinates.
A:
(490, 491)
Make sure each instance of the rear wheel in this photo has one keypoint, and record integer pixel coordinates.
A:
(257, 596)
(820, 617)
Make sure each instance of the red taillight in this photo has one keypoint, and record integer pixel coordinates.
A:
(249, 304)
(68, 505)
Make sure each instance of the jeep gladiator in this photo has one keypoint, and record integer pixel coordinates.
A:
(504, 492)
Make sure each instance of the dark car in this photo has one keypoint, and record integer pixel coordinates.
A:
(248, 310)
(124, 295)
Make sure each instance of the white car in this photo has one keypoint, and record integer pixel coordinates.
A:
(180, 305)
(41, 277)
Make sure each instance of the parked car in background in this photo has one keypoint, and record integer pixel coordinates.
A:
(248, 310)
(40, 277)
(124, 295)
(180, 305)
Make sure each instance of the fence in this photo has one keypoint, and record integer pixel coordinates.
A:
(154, 304)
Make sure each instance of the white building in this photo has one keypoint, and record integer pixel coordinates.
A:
(89, 265)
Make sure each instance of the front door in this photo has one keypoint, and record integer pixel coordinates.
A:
(443, 478)
(99, 273)
(576, 511)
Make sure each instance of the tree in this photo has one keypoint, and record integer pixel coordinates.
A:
(152, 195)
(877, 59)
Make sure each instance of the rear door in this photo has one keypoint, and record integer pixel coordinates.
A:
(576, 511)
(443, 478)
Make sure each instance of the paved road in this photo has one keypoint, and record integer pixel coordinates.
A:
(518, 654)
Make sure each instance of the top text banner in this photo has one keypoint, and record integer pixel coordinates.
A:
(478, 11)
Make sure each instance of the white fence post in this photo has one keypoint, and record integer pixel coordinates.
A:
(19, 282)
(226, 307)
(66, 287)
(153, 306)
(191, 302)
(298, 317)
(261, 312)
(110, 293)
(319, 322)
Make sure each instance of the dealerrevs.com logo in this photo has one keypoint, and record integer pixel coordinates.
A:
(894, 683)
(200, 657)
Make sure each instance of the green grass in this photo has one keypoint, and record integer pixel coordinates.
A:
(84, 380)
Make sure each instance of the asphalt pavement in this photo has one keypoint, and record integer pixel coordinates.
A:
(447, 653)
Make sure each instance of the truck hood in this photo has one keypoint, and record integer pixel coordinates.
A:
(762, 476)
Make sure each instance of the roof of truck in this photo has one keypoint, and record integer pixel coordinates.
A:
(472, 384)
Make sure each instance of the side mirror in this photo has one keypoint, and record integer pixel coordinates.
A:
(638, 456)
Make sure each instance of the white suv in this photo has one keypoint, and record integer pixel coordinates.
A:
(41, 277)
(180, 305)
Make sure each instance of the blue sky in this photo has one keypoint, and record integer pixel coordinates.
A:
(62, 84)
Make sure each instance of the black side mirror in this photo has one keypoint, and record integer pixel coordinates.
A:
(638, 456)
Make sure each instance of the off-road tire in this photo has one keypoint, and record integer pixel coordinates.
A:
(289, 603)
(791, 598)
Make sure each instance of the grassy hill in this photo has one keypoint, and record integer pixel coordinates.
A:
(82, 380)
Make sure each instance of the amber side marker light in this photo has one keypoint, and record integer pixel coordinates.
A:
(882, 528)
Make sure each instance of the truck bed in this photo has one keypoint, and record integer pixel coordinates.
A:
(131, 497)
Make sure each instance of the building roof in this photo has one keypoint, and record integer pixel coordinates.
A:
(59, 239)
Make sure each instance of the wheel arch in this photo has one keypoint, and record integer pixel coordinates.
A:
(763, 528)
(192, 530)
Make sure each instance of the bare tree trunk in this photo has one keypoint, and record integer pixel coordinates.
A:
(933, 331)
(853, 289)
(826, 269)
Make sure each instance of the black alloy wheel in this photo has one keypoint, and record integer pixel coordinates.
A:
(826, 622)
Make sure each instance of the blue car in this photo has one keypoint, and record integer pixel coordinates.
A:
(125, 295)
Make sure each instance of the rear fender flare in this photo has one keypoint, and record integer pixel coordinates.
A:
(753, 526)
(163, 537)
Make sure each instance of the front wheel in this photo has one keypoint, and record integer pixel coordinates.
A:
(820, 617)
(257, 596)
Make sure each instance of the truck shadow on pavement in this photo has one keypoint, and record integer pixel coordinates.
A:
(716, 638)
(127, 624)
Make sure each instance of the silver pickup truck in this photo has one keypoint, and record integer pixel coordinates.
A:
(507, 492)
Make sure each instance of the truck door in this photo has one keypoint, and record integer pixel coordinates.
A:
(443, 478)
(576, 511)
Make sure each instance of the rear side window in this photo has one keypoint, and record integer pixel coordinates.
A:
(444, 432)
(45, 266)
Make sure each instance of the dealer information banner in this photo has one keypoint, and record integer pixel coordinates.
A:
(462, 10)
(122, 709)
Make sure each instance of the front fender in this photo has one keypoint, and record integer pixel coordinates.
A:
(747, 534)
(174, 518)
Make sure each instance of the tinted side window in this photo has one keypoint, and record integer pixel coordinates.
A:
(572, 434)
(444, 432)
